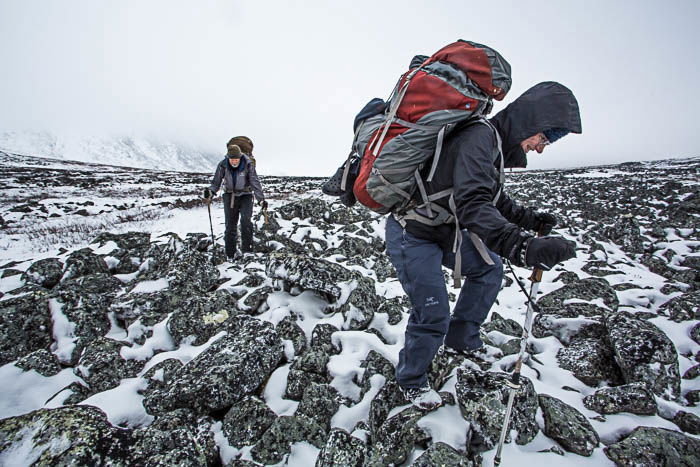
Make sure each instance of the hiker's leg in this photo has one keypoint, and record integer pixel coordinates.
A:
(418, 265)
(231, 217)
(481, 286)
(246, 209)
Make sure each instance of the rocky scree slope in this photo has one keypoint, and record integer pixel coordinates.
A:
(155, 351)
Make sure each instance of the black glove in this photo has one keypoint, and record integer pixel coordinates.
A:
(546, 252)
(263, 204)
(544, 223)
(207, 193)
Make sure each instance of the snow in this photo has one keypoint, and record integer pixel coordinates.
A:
(24, 391)
(123, 404)
(63, 333)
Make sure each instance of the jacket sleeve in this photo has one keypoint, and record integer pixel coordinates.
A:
(217, 178)
(521, 216)
(475, 182)
(255, 183)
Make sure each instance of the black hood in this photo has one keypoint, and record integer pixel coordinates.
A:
(542, 107)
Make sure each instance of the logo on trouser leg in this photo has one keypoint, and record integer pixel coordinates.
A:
(430, 301)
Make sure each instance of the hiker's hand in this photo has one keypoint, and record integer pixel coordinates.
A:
(546, 252)
(207, 194)
(544, 223)
(263, 204)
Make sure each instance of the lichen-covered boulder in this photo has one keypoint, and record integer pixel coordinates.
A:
(45, 272)
(203, 316)
(388, 397)
(688, 422)
(246, 421)
(393, 308)
(685, 307)
(308, 273)
(441, 454)
(130, 251)
(299, 380)
(42, 361)
(625, 232)
(483, 397)
(312, 208)
(151, 308)
(319, 403)
(633, 398)
(256, 298)
(233, 367)
(276, 443)
(79, 435)
(395, 439)
(655, 446)
(160, 374)
(84, 262)
(288, 329)
(567, 426)
(186, 268)
(383, 268)
(591, 360)
(322, 338)
(25, 325)
(566, 329)
(176, 438)
(644, 354)
(508, 327)
(358, 311)
(102, 367)
(342, 450)
(375, 364)
(589, 297)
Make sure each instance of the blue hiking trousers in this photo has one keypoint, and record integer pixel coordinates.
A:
(418, 263)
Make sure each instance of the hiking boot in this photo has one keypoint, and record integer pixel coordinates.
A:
(424, 398)
(481, 356)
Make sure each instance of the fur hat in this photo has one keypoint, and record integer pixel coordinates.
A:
(243, 142)
(234, 151)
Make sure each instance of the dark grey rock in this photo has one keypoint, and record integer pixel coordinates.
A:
(359, 308)
(388, 397)
(695, 333)
(176, 438)
(25, 325)
(319, 403)
(692, 372)
(567, 426)
(394, 441)
(150, 308)
(276, 443)
(84, 262)
(308, 273)
(45, 272)
(625, 232)
(313, 360)
(42, 361)
(506, 326)
(572, 300)
(233, 367)
(342, 450)
(483, 397)
(256, 298)
(688, 422)
(375, 364)
(86, 437)
(203, 316)
(102, 367)
(655, 446)
(591, 361)
(633, 398)
(441, 454)
(135, 242)
(644, 354)
(299, 380)
(383, 268)
(321, 338)
(393, 308)
(160, 374)
(685, 307)
(565, 329)
(246, 421)
(288, 329)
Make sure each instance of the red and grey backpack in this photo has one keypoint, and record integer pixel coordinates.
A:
(454, 85)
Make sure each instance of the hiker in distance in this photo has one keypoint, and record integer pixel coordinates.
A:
(240, 180)
(470, 164)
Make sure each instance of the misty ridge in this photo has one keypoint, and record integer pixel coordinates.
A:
(128, 339)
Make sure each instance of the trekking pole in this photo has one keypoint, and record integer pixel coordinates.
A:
(514, 382)
(211, 226)
(267, 219)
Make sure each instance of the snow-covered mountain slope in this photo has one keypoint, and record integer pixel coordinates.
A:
(129, 152)
(126, 339)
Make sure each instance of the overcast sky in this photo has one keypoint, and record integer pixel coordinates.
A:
(292, 74)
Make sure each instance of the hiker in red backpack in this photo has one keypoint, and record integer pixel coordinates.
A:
(240, 180)
(470, 164)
